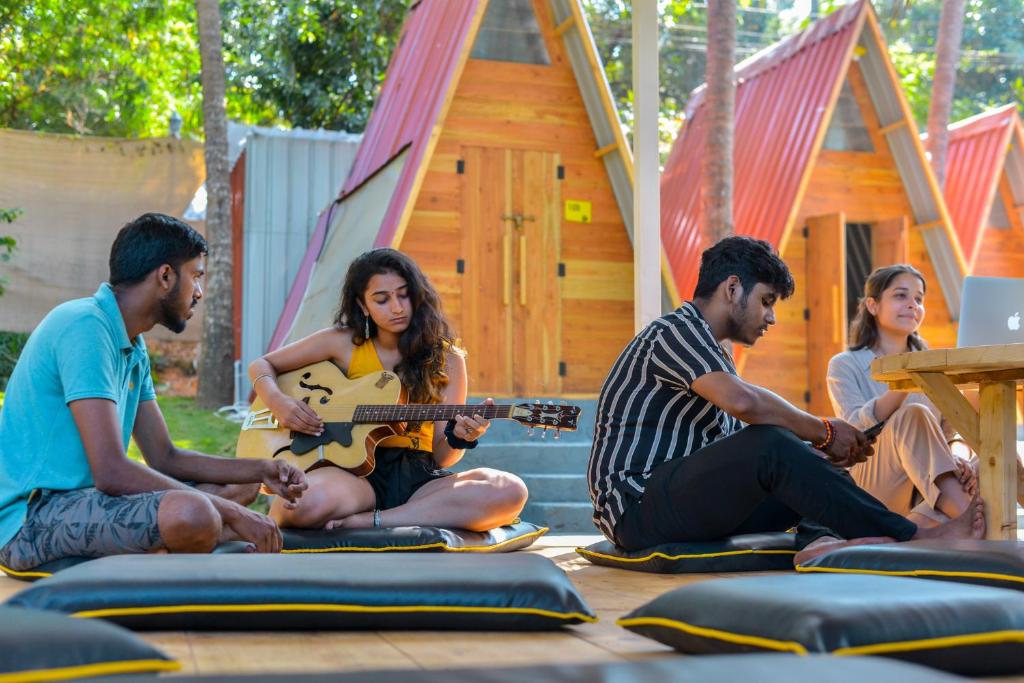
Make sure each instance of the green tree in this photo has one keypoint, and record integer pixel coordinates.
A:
(120, 67)
(312, 63)
(7, 243)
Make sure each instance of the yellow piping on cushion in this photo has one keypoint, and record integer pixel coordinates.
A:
(913, 572)
(695, 556)
(739, 638)
(16, 574)
(933, 643)
(472, 549)
(89, 670)
(303, 607)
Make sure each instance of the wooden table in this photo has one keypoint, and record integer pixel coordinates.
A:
(990, 432)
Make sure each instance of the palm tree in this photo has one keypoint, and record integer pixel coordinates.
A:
(721, 94)
(216, 360)
(947, 54)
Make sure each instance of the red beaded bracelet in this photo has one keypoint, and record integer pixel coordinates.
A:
(830, 436)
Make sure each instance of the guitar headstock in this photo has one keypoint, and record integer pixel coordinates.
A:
(546, 415)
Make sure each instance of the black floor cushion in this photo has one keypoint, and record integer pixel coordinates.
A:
(989, 563)
(366, 591)
(51, 568)
(748, 553)
(412, 539)
(44, 646)
(955, 627)
(721, 669)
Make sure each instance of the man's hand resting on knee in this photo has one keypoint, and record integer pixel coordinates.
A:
(242, 524)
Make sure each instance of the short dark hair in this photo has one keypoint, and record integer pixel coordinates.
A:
(150, 241)
(751, 260)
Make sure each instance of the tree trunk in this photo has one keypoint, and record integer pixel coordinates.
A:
(721, 94)
(947, 54)
(217, 356)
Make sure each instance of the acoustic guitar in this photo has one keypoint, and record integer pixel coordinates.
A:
(359, 414)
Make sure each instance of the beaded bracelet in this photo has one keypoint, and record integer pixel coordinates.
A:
(454, 441)
(830, 436)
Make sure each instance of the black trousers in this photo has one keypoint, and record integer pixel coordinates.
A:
(762, 478)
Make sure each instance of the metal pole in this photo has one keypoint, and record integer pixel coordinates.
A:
(646, 180)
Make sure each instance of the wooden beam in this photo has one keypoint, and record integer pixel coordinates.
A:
(929, 225)
(997, 460)
(952, 404)
(565, 25)
(607, 149)
(885, 130)
(646, 185)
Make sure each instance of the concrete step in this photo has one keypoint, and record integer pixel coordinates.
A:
(529, 457)
(557, 488)
(574, 518)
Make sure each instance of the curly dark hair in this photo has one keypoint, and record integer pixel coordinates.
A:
(864, 327)
(749, 259)
(429, 336)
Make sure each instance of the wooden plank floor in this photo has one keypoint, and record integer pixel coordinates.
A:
(609, 592)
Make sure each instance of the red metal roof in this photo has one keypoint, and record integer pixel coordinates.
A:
(782, 97)
(412, 97)
(974, 160)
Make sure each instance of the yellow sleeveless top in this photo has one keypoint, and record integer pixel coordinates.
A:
(364, 361)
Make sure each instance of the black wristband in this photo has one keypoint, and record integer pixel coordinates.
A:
(454, 441)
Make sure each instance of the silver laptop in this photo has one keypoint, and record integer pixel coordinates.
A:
(991, 311)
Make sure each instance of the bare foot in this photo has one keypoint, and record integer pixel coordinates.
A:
(827, 544)
(970, 524)
(360, 520)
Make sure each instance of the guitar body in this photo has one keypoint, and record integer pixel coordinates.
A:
(334, 398)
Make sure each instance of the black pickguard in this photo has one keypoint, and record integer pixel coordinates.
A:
(340, 432)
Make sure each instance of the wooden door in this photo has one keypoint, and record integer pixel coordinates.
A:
(826, 304)
(511, 295)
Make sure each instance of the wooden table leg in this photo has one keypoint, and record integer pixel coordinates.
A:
(997, 459)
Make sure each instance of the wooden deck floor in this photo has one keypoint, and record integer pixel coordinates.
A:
(610, 593)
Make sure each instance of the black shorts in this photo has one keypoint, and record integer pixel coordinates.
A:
(399, 473)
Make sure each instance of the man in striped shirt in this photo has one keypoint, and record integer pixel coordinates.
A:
(672, 460)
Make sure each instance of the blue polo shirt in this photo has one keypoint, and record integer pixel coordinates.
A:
(80, 350)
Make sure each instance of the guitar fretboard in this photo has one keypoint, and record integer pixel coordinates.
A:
(425, 413)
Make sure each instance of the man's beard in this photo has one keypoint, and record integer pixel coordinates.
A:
(170, 318)
(739, 322)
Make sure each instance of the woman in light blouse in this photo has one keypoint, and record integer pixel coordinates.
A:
(914, 471)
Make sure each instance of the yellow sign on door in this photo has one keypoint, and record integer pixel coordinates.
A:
(577, 211)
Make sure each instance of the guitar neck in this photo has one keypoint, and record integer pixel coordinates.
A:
(425, 412)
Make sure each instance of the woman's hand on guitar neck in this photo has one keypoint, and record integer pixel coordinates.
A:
(296, 415)
(472, 428)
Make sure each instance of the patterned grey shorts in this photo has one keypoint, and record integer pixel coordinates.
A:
(83, 523)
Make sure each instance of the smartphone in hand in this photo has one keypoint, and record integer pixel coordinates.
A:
(874, 430)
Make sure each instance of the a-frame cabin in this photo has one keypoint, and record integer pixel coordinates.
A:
(829, 168)
(495, 158)
(984, 190)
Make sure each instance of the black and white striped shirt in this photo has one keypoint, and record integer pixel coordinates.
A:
(647, 413)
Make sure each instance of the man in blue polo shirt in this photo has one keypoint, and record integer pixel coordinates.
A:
(82, 388)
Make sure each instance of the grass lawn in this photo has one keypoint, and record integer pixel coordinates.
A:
(191, 428)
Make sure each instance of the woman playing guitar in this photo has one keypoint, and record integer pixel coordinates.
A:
(390, 318)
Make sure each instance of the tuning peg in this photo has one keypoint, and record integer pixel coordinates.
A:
(529, 432)
(558, 434)
(551, 403)
(544, 433)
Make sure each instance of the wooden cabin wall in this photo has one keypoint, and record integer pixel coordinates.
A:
(1001, 253)
(865, 188)
(524, 106)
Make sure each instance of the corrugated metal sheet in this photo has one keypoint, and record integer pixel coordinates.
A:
(782, 96)
(289, 176)
(978, 148)
(429, 53)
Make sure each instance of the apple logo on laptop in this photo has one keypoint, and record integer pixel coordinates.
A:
(1013, 322)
